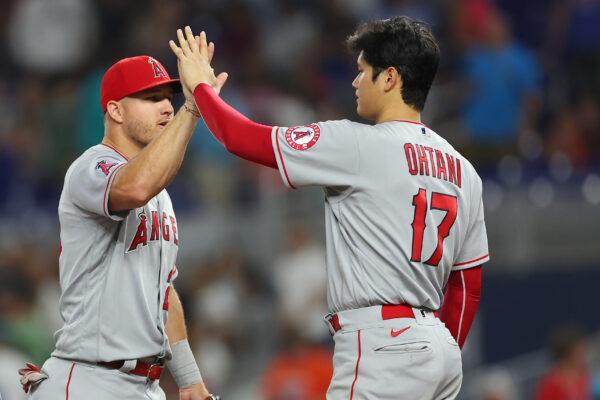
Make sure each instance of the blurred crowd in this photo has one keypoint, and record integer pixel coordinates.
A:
(518, 87)
(518, 92)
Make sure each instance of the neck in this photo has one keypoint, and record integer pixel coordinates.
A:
(397, 112)
(120, 141)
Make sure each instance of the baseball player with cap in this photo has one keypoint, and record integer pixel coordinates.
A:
(405, 229)
(123, 320)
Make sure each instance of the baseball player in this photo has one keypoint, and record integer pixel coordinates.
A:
(123, 320)
(403, 209)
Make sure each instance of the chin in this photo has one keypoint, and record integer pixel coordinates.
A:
(362, 114)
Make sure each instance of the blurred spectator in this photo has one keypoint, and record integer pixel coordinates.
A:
(89, 120)
(230, 315)
(497, 384)
(300, 281)
(504, 80)
(569, 377)
(300, 372)
(293, 25)
(10, 362)
(573, 133)
(52, 37)
(22, 326)
(154, 28)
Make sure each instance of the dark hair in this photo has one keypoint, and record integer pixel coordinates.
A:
(402, 43)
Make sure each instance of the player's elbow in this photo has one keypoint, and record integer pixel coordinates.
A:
(129, 198)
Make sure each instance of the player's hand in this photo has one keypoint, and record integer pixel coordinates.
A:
(194, 56)
(193, 392)
(31, 375)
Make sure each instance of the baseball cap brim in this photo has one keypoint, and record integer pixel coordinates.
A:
(174, 83)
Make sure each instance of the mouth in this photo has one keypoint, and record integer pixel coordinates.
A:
(163, 124)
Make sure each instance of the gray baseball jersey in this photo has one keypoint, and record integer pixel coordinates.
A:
(403, 208)
(115, 269)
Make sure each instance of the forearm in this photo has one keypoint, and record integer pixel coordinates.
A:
(175, 326)
(240, 136)
(155, 166)
(182, 366)
(461, 301)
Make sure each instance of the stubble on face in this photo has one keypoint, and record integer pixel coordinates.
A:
(140, 131)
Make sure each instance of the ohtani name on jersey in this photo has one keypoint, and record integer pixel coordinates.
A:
(425, 160)
(158, 226)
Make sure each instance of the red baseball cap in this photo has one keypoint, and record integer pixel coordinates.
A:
(132, 75)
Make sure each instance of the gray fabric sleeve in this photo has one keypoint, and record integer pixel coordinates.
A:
(320, 154)
(475, 247)
(90, 181)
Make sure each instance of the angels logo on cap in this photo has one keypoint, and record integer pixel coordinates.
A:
(159, 72)
(302, 137)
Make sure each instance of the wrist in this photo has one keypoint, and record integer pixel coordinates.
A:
(190, 107)
(182, 365)
(201, 87)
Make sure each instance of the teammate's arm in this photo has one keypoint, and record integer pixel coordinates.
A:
(240, 136)
(237, 133)
(460, 302)
(182, 366)
(144, 176)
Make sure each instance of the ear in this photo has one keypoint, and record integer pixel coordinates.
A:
(391, 79)
(115, 111)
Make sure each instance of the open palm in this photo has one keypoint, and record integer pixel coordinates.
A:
(194, 56)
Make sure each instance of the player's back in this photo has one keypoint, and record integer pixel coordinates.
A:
(403, 210)
(412, 207)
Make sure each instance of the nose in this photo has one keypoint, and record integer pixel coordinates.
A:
(355, 83)
(166, 107)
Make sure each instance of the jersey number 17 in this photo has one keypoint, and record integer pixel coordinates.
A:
(439, 201)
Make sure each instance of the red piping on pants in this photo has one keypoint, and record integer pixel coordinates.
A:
(69, 381)
(356, 372)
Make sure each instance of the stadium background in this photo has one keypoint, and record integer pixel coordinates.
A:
(518, 92)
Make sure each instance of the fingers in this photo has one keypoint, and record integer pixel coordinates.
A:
(183, 43)
(221, 79)
(203, 45)
(194, 45)
(176, 50)
(211, 51)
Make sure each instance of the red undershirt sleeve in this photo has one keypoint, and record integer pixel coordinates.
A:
(460, 302)
(240, 136)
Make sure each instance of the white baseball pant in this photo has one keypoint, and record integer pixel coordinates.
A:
(74, 380)
(395, 359)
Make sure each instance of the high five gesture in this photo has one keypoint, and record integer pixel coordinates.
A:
(194, 55)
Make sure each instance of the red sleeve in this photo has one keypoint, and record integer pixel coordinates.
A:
(461, 301)
(239, 135)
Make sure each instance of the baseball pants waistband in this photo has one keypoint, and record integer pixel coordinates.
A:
(363, 317)
(150, 367)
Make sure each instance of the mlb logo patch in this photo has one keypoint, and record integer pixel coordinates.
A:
(302, 137)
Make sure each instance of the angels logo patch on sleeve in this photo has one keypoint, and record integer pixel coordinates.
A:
(302, 137)
(104, 166)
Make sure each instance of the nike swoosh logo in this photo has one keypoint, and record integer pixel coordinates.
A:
(395, 333)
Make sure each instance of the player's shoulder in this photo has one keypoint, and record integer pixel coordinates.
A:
(342, 124)
(100, 157)
(101, 152)
(467, 167)
(104, 150)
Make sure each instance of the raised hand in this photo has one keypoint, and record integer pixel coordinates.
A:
(194, 56)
